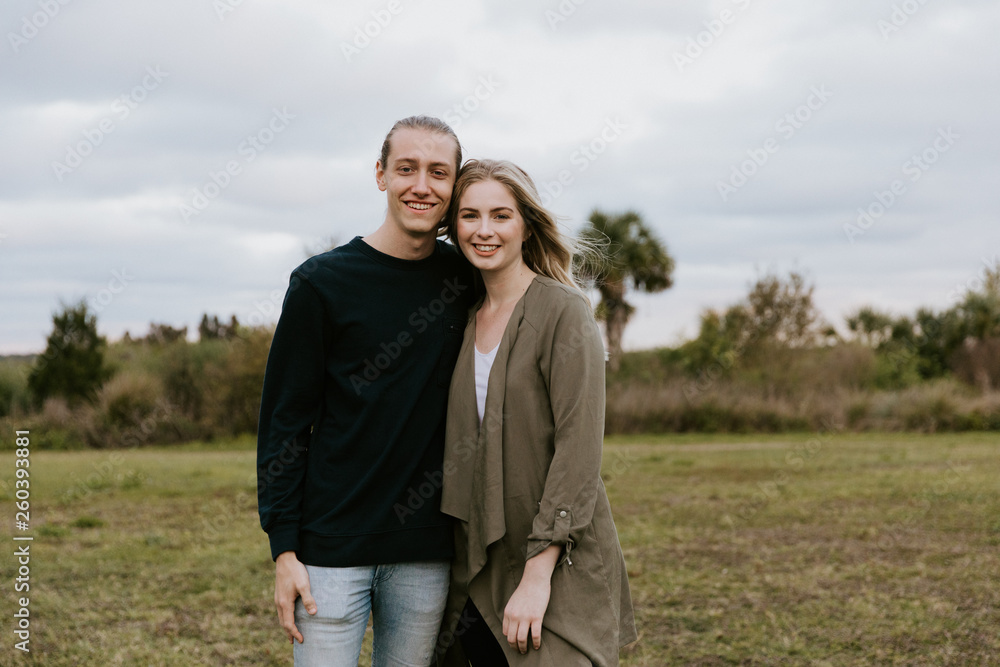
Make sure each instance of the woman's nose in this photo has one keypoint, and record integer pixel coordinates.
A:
(485, 229)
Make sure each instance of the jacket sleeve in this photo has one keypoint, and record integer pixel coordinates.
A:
(572, 363)
(290, 402)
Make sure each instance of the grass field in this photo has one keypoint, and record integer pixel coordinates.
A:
(812, 549)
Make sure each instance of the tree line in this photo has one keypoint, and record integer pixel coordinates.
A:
(773, 344)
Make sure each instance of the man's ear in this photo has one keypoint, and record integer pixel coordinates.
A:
(380, 175)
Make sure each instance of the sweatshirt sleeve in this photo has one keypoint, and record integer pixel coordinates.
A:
(573, 363)
(290, 402)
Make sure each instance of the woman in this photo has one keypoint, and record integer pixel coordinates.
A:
(538, 576)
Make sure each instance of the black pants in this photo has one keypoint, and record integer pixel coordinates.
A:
(481, 647)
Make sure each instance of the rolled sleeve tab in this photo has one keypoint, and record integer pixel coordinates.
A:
(560, 530)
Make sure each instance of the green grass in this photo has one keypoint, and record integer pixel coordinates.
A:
(742, 550)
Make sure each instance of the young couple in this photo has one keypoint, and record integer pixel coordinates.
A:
(431, 429)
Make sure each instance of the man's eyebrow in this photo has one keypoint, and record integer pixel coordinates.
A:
(413, 160)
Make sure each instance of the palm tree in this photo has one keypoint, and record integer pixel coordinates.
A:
(625, 250)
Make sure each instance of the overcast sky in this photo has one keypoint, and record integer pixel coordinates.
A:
(166, 159)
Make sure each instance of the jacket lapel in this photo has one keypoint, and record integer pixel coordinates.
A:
(462, 433)
(486, 518)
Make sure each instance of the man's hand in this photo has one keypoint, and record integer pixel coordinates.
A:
(526, 607)
(291, 580)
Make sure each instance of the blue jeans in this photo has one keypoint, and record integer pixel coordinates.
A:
(406, 601)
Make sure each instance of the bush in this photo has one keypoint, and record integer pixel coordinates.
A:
(683, 406)
(797, 390)
(977, 362)
(58, 426)
(235, 383)
(132, 411)
(14, 395)
(72, 366)
(896, 367)
(184, 369)
(128, 398)
(655, 365)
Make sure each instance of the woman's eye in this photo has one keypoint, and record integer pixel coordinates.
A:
(503, 216)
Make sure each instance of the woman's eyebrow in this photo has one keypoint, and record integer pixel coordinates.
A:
(492, 210)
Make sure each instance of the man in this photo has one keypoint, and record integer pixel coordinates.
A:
(352, 420)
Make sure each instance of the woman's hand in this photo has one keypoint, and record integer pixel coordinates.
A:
(526, 607)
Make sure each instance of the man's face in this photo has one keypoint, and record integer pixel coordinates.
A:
(418, 179)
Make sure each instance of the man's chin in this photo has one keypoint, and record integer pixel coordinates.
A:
(423, 227)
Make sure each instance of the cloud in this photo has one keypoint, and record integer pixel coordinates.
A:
(588, 97)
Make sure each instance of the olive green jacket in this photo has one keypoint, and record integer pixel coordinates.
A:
(530, 478)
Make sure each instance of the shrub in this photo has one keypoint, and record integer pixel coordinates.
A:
(14, 395)
(933, 407)
(127, 399)
(132, 411)
(977, 362)
(72, 366)
(897, 367)
(234, 384)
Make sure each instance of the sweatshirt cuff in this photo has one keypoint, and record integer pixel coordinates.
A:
(283, 537)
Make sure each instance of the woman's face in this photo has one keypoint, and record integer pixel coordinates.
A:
(489, 227)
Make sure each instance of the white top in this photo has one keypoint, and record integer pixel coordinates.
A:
(484, 362)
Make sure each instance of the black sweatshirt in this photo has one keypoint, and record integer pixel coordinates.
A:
(351, 432)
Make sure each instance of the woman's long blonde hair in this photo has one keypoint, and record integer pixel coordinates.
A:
(546, 250)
